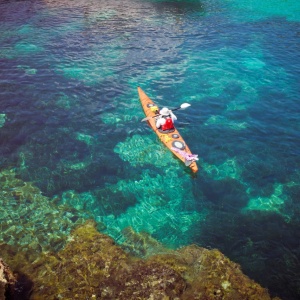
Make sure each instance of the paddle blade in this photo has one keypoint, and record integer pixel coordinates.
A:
(146, 119)
(184, 105)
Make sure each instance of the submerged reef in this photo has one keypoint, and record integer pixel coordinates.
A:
(2, 120)
(92, 266)
(29, 220)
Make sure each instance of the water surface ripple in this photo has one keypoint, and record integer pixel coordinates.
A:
(70, 120)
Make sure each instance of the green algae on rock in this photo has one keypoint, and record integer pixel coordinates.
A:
(211, 275)
(92, 266)
(141, 244)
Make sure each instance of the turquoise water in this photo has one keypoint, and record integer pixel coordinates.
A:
(70, 121)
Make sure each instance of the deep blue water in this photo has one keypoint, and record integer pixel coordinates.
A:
(70, 120)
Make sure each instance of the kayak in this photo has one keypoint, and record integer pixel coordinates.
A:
(172, 138)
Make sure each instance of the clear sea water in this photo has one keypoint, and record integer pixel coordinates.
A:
(70, 120)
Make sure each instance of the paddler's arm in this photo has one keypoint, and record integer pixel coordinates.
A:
(160, 121)
(174, 118)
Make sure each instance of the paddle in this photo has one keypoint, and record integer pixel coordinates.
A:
(182, 106)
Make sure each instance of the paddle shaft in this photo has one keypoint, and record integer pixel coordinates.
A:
(148, 118)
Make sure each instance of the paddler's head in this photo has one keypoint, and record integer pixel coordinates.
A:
(164, 112)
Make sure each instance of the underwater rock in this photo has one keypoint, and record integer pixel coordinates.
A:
(225, 122)
(85, 138)
(2, 119)
(211, 275)
(147, 152)
(273, 202)
(162, 208)
(24, 48)
(29, 220)
(254, 63)
(229, 169)
(7, 281)
(27, 69)
(141, 244)
(92, 266)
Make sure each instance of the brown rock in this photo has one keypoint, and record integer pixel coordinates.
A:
(92, 266)
(7, 281)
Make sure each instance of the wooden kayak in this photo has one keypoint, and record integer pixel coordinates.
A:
(172, 139)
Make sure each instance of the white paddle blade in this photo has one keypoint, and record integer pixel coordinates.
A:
(184, 105)
(146, 119)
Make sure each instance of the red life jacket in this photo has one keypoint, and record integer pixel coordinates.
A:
(168, 125)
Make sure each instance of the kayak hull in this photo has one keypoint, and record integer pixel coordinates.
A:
(172, 139)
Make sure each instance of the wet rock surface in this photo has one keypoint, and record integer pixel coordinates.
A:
(92, 266)
(7, 281)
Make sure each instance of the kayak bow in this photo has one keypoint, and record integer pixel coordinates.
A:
(171, 139)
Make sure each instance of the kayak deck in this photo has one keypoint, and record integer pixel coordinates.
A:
(171, 139)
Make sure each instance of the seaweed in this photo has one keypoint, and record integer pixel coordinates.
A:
(92, 266)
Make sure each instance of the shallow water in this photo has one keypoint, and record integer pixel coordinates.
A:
(70, 120)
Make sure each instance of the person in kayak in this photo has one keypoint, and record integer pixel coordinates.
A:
(166, 119)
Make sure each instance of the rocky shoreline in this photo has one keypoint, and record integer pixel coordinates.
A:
(92, 266)
(53, 253)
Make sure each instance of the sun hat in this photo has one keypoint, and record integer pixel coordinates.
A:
(164, 111)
